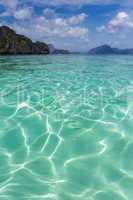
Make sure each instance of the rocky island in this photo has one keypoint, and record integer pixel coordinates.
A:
(53, 50)
(108, 50)
(12, 43)
(61, 51)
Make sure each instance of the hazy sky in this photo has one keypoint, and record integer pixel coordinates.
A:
(77, 25)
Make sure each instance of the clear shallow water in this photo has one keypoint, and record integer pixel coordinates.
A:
(66, 128)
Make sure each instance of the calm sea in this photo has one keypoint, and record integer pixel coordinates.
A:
(66, 127)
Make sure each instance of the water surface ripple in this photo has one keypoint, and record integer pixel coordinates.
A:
(66, 127)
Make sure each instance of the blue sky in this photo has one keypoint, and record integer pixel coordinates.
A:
(77, 25)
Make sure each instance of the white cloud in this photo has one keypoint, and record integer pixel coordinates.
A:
(60, 27)
(121, 20)
(24, 13)
(74, 20)
(9, 4)
(77, 19)
(10, 7)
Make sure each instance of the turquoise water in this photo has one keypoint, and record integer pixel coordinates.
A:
(66, 128)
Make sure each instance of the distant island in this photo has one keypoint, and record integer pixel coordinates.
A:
(12, 43)
(108, 50)
(53, 50)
